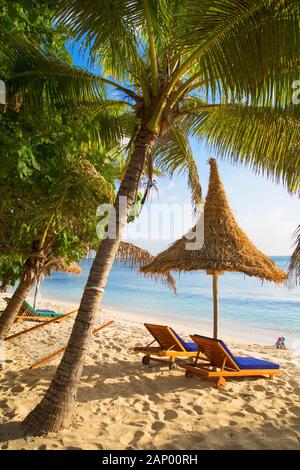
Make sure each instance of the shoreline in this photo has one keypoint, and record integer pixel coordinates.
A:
(123, 404)
(232, 333)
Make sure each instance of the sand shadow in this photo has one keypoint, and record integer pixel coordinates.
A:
(132, 378)
(141, 381)
(11, 431)
(27, 378)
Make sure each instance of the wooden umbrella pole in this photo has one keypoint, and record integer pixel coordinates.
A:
(216, 305)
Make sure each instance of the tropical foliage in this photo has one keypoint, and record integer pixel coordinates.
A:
(46, 180)
(187, 61)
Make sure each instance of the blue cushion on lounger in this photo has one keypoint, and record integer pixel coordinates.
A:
(227, 350)
(187, 346)
(192, 347)
(253, 363)
(249, 362)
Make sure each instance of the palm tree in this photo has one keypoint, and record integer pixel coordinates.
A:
(294, 266)
(175, 66)
(20, 62)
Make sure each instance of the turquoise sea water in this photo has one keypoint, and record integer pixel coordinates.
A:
(248, 307)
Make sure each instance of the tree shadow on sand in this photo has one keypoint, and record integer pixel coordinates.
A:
(237, 435)
(132, 377)
(11, 431)
(139, 380)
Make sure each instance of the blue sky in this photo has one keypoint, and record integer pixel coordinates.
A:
(267, 213)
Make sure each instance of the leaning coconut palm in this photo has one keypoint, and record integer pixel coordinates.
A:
(161, 55)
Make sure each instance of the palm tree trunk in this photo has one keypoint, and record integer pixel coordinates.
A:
(4, 285)
(54, 411)
(13, 307)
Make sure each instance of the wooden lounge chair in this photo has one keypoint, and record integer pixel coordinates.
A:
(27, 312)
(170, 346)
(222, 363)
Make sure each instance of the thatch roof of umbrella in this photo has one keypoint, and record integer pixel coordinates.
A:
(62, 265)
(226, 246)
(136, 257)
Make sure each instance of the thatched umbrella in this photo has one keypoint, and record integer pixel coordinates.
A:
(62, 265)
(136, 257)
(226, 247)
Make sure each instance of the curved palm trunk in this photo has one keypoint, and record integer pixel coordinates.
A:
(53, 412)
(13, 307)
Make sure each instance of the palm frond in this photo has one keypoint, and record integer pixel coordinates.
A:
(136, 257)
(173, 154)
(266, 139)
(110, 121)
(242, 46)
(76, 187)
(109, 30)
(91, 181)
(41, 77)
(294, 265)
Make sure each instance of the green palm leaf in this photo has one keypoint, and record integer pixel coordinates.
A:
(264, 138)
(173, 154)
(110, 121)
(242, 46)
(109, 30)
(41, 77)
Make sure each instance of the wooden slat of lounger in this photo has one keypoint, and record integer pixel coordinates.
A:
(161, 336)
(202, 370)
(146, 349)
(214, 351)
(165, 337)
(213, 354)
(164, 352)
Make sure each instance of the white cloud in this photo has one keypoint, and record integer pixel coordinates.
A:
(270, 230)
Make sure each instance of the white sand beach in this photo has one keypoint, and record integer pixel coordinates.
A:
(122, 404)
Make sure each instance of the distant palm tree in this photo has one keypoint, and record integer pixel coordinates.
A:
(216, 69)
(294, 267)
